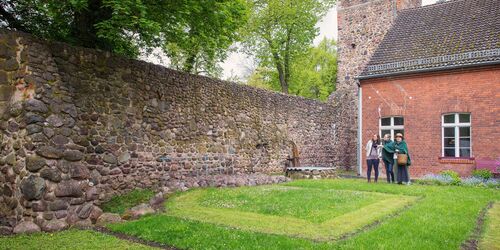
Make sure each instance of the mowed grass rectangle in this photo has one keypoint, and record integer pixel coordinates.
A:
(441, 218)
(314, 206)
(288, 210)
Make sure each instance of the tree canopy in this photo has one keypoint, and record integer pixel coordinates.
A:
(278, 31)
(195, 34)
(312, 74)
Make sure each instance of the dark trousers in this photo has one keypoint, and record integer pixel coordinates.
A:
(372, 163)
(389, 171)
(403, 175)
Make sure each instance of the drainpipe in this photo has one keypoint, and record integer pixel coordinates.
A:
(360, 133)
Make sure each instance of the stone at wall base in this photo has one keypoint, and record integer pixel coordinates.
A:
(107, 218)
(5, 230)
(26, 227)
(54, 226)
(138, 211)
(314, 174)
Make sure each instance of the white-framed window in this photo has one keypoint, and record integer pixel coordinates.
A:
(391, 125)
(456, 135)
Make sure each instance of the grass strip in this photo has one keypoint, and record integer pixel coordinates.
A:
(70, 239)
(491, 236)
(186, 206)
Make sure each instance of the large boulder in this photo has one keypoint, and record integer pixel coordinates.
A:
(36, 106)
(49, 152)
(51, 174)
(107, 218)
(84, 211)
(54, 225)
(34, 163)
(26, 227)
(70, 188)
(33, 187)
(73, 155)
(79, 171)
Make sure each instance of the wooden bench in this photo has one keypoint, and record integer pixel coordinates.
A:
(492, 165)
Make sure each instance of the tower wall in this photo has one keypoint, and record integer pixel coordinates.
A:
(362, 24)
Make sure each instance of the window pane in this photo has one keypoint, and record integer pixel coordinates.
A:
(464, 118)
(449, 142)
(465, 152)
(386, 121)
(385, 131)
(464, 142)
(402, 131)
(449, 132)
(449, 118)
(450, 152)
(399, 121)
(465, 132)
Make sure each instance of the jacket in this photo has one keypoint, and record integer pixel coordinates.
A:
(369, 148)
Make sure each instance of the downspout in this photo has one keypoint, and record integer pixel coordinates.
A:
(360, 133)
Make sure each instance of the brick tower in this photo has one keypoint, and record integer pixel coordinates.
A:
(362, 25)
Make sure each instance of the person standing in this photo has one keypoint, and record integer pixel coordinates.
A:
(388, 159)
(373, 153)
(400, 150)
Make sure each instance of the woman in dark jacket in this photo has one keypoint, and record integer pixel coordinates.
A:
(388, 159)
(400, 147)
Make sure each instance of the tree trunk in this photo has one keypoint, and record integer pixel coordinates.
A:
(190, 61)
(279, 67)
(84, 25)
(281, 74)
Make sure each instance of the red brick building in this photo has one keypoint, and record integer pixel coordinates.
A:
(435, 77)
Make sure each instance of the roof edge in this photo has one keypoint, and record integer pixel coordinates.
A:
(425, 70)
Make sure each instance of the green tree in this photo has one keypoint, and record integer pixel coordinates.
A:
(280, 30)
(194, 33)
(313, 73)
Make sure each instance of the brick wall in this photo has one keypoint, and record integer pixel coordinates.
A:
(422, 99)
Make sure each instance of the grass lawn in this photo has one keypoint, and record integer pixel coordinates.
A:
(292, 215)
(491, 237)
(71, 239)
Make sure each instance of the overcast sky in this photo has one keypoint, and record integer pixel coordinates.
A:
(239, 65)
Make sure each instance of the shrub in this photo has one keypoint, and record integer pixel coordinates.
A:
(482, 173)
(453, 175)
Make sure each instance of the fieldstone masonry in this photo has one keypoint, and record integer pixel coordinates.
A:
(79, 125)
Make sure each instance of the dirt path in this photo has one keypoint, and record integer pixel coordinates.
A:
(472, 242)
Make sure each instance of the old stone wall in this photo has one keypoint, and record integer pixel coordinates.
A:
(79, 125)
(362, 24)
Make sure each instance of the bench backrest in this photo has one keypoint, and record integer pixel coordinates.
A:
(492, 165)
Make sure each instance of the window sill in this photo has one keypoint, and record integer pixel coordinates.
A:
(457, 160)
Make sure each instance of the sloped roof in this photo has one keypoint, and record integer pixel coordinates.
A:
(456, 33)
